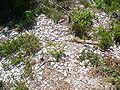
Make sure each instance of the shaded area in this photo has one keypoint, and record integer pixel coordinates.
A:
(12, 10)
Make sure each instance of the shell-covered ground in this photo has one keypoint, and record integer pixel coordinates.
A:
(68, 73)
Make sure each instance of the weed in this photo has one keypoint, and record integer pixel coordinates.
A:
(112, 74)
(93, 58)
(105, 38)
(19, 85)
(28, 43)
(81, 21)
(28, 69)
(85, 2)
(26, 19)
(17, 59)
(57, 54)
(116, 30)
(108, 5)
(52, 43)
(53, 13)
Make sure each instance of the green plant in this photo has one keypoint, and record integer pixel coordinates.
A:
(113, 75)
(57, 54)
(19, 85)
(17, 59)
(85, 2)
(116, 30)
(28, 43)
(28, 69)
(53, 13)
(81, 22)
(108, 5)
(26, 18)
(93, 58)
(105, 38)
(99, 3)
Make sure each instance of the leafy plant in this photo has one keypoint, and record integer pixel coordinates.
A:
(85, 2)
(53, 13)
(17, 59)
(57, 54)
(28, 43)
(99, 3)
(28, 69)
(93, 58)
(105, 38)
(108, 5)
(116, 30)
(19, 85)
(81, 22)
(113, 75)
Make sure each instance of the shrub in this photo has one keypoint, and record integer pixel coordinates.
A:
(86, 3)
(81, 21)
(17, 59)
(28, 69)
(93, 58)
(53, 13)
(57, 54)
(108, 5)
(116, 30)
(105, 38)
(19, 85)
(28, 43)
(113, 75)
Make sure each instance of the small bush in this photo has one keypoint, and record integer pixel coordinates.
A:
(57, 54)
(93, 58)
(28, 43)
(81, 21)
(85, 2)
(19, 85)
(116, 30)
(105, 38)
(113, 75)
(108, 5)
(28, 69)
(17, 59)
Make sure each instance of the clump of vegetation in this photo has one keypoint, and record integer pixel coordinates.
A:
(53, 13)
(112, 73)
(93, 58)
(52, 43)
(108, 5)
(103, 66)
(51, 10)
(57, 54)
(17, 59)
(116, 30)
(28, 69)
(81, 22)
(28, 43)
(105, 38)
(26, 18)
(19, 85)
(86, 3)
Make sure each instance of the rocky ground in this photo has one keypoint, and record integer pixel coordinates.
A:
(68, 73)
